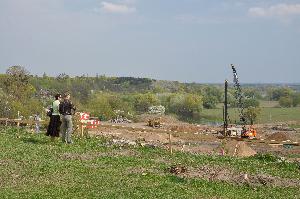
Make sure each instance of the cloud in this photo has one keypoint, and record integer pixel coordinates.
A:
(194, 19)
(279, 10)
(117, 8)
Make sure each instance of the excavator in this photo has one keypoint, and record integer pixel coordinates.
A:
(155, 122)
(243, 130)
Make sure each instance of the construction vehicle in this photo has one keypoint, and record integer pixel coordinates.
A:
(241, 130)
(238, 131)
(155, 122)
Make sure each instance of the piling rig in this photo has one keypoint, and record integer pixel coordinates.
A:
(243, 131)
(238, 94)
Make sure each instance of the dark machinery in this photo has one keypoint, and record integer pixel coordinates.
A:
(234, 131)
(239, 96)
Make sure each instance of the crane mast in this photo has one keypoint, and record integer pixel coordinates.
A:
(239, 96)
(243, 131)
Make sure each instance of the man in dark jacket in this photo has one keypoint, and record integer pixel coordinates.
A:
(66, 109)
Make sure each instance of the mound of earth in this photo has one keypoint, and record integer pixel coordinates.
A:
(238, 149)
(279, 136)
(184, 128)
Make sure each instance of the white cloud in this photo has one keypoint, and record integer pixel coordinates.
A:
(279, 10)
(117, 8)
(194, 19)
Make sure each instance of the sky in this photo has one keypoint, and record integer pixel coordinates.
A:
(181, 40)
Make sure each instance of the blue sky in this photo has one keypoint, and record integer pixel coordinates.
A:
(182, 40)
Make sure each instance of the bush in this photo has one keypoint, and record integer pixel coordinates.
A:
(212, 95)
(210, 102)
(98, 105)
(296, 99)
(186, 105)
(251, 114)
(251, 102)
(277, 93)
(286, 102)
(143, 101)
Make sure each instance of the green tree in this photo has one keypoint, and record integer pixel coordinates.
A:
(286, 101)
(117, 102)
(186, 105)
(143, 101)
(252, 93)
(80, 89)
(28, 108)
(16, 83)
(251, 102)
(98, 105)
(296, 99)
(277, 93)
(252, 113)
(5, 105)
(211, 96)
(250, 98)
(19, 95)
(210, 102)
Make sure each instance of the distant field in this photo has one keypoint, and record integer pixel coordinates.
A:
(262, 103)
(268, 114)
(268, 104)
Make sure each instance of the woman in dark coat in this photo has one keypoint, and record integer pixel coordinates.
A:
(54, 124)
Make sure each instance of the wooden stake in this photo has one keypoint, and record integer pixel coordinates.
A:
(18, 126)
(81, 129)
(170, 143)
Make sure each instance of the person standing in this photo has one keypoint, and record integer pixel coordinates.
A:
(67, 109)
(54, 124)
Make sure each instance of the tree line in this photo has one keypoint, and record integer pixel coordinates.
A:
(23, 93)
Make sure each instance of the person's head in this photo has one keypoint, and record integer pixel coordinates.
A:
(57, 96)
(67, 96)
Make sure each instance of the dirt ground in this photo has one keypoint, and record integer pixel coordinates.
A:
(276, 138)
(217, 173)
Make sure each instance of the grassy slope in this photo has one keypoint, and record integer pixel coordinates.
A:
(32, 167)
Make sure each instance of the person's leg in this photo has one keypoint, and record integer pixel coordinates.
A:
(57, 126)
(49, 128)
(63, 128)
(69, 128)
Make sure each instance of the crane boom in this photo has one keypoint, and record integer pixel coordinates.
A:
(239, 95)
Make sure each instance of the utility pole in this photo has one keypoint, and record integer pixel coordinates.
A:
(225, 111)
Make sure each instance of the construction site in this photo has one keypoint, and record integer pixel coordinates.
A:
(236, 140)
(278, 139)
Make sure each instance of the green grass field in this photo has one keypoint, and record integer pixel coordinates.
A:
(268, 114)
(33, 167)
(268, 104)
